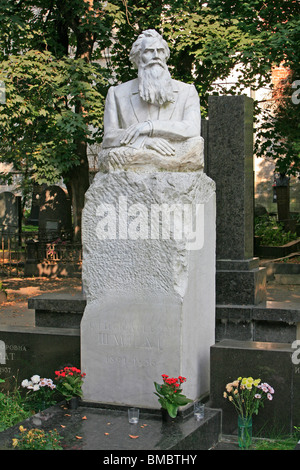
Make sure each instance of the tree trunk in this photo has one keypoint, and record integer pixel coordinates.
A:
(78, 184)
(79, 175)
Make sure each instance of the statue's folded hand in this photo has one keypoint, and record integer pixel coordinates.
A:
(134, 131)
(160, 145)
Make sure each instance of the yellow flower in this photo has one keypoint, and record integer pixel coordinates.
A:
(230, 398)
(15, 442)
(22, 429)
(225, 395)
(256, 382)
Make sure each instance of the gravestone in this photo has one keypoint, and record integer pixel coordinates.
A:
(55, 217)
(148, 244)
(10, 214)
(34, 350)
(33, 218)
(239, 279)
(274, 363)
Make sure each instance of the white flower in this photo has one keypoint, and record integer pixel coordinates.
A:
(25, 383)
(36, 387)
(35, 379)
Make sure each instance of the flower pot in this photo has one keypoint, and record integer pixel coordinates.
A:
(73, 403)
(165, 417)
(244, 432)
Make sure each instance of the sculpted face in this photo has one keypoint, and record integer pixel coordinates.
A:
(153, 53)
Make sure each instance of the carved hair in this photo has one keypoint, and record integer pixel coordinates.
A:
(134, 55)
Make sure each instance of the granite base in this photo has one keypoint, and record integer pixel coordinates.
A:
(96, 428)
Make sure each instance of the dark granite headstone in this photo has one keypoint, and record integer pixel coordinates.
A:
(10, 214)
(55, 217)
(41, 351)
(272, 363)
(239, 279)
(33, 218)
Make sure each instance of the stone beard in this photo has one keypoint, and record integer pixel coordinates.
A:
(155, 83)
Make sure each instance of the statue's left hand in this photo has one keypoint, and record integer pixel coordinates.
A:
(134, 131)
(160, 145)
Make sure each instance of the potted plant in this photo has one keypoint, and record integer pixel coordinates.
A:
(170, 396)
(247, 395)
(69, 384)
(40, 392)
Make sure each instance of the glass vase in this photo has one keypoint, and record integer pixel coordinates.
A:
(244, 432)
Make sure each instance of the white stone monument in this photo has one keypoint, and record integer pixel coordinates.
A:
(148, 241)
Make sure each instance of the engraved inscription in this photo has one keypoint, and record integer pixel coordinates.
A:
(129, 341)
(125, 361)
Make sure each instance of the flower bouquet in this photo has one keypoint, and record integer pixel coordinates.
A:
(40, 392)
(69, 382)
(247, 395)
(170, 396)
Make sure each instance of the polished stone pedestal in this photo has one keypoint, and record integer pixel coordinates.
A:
(91, 428)
(272, 363)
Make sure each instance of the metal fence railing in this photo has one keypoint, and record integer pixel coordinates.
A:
(17, 249)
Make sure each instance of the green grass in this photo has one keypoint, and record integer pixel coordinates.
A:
(278, 442)
(11, 408)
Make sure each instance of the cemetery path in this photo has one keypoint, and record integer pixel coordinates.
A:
(15, 312)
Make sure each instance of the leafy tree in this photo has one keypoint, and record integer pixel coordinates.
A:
(54, 88)
(209, 39)
(46, 123)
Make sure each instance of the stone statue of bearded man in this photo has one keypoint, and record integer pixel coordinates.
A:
(153, 121)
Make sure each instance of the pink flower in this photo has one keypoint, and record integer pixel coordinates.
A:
(269, 396)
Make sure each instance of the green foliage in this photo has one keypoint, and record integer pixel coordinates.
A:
(37, 439)
(279, 441)
(271, 232)
(209, 40)
(288, 443)
(12, 409)
(56, 89)
(39, 121)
